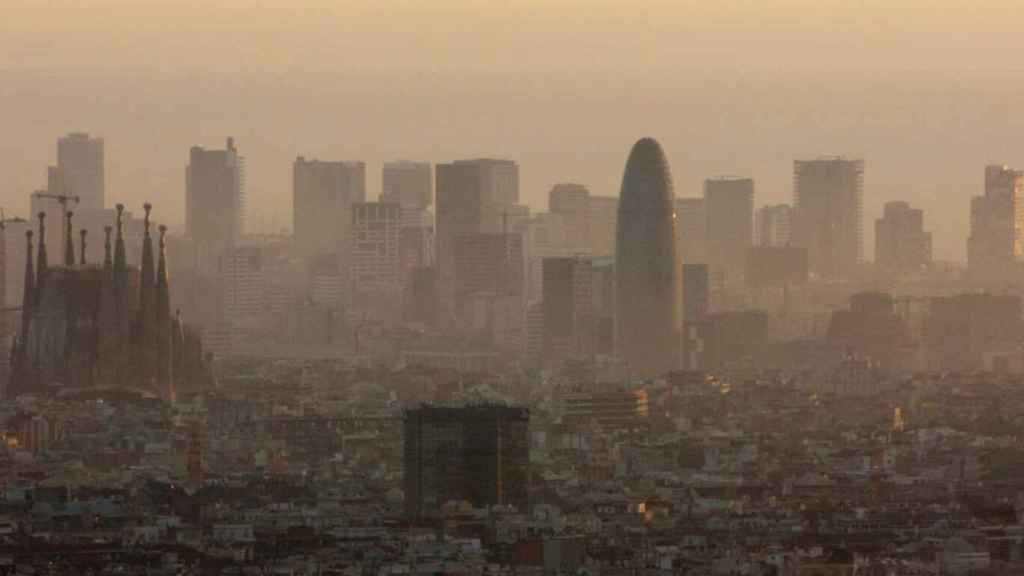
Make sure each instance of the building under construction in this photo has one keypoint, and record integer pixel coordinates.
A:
(479, 454)
(106, 324)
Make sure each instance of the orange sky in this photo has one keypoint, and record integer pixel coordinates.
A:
(926, 92)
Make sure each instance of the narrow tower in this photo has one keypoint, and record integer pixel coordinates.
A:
(69, 241)
(42, 267)
(28, 297)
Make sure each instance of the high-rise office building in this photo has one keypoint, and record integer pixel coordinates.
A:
(774, 226)
(691, 226)
(997, 221)
(648, 296)
(827, 198)
(79, 171)
(473, 196)
(410, 184)
(479, 454)
(571, 202)
(568, 309)
(603, 225)
(323, 193)
(729, 207)
(215, 201)
(901, 244)
(376, 257)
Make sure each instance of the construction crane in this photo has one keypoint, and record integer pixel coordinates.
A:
(63, 200)
(4, 219)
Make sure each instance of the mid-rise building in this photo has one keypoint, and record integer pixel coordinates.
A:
(569, 319)
(215, 200)
(774, 225)
(242, 284)
(410, 184)
(477, 454)
(489, 293)
(827, 199)
(695, 307)
(327, 282)
(376, 254)
(901, 243)
(729, 210)
(997, 222)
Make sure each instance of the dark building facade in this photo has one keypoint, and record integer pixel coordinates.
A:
(648, 324)
(479, 454)
(569, 319)
(102, 324)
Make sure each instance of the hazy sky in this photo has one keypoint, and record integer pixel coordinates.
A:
(926, 92)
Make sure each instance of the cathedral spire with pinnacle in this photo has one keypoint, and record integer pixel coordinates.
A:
(42, 266)
(69, 241)
(28, 297)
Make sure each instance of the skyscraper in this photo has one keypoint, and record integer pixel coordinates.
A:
(473, 196)
(411, 184)
(774, 225)
(215, 198)
(691, 226)
(79, 171)
(322, 197)
(729, 206)
(901, 244)
(827, 196)
(647, 271)
(997, 221)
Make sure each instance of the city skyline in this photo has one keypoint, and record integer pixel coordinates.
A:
(911, 157)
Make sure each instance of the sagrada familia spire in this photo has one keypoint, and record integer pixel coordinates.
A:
(103, 325)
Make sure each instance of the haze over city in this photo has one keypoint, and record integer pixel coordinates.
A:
(524, 288)
(924, 95)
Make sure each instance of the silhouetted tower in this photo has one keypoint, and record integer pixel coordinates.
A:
(163, 316)
(42, 267)
(108, 261)
(122, 308)
(81, 234)
(28, 297)
(648, 324)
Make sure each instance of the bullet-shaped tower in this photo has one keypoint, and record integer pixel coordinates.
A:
(648, 325)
